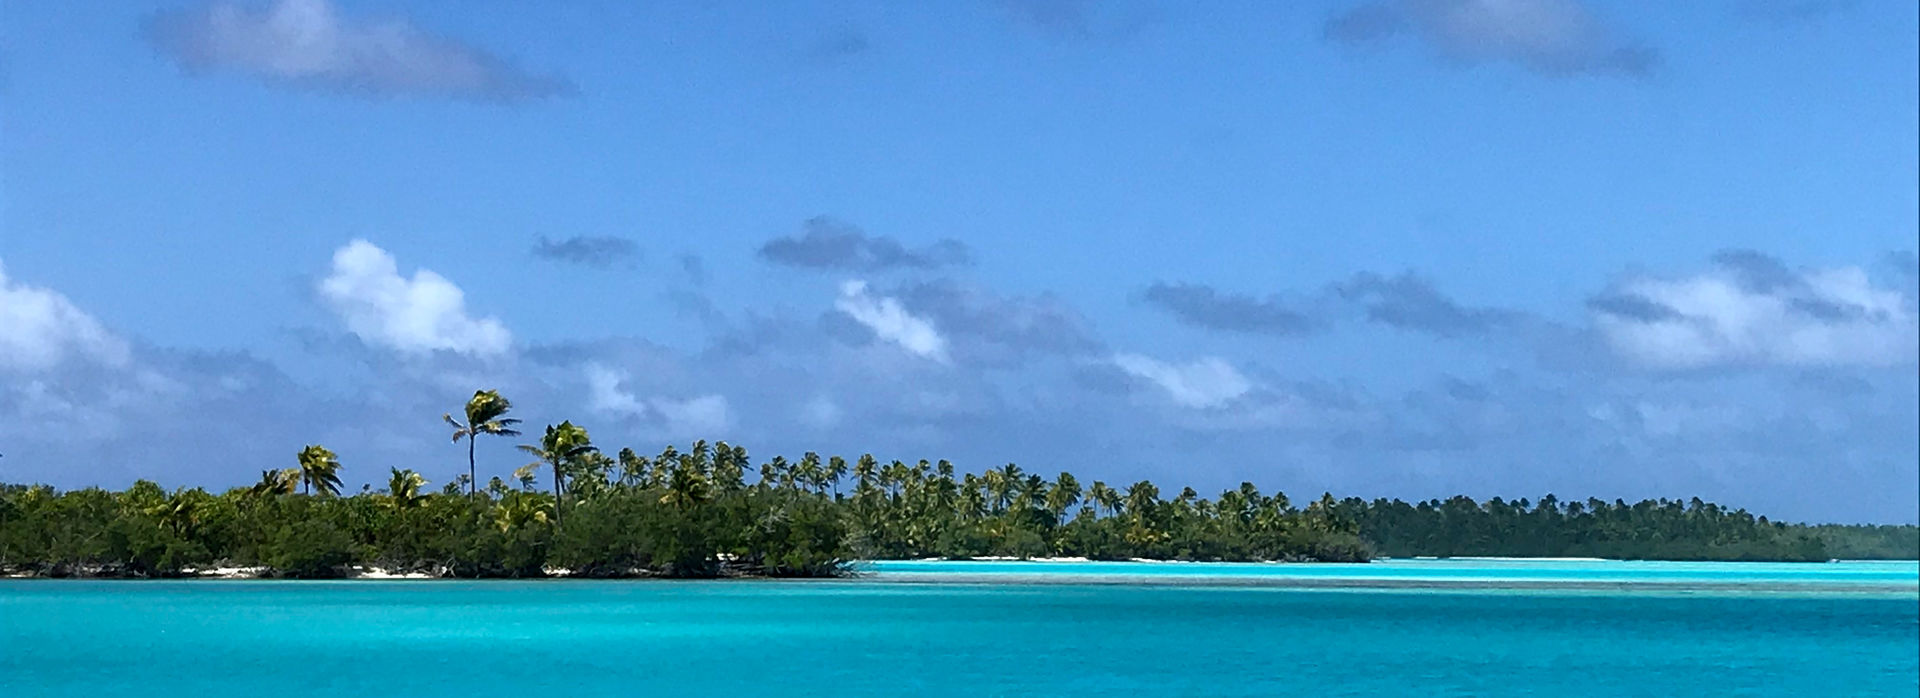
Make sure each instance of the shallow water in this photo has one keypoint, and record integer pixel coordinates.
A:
(1495, 573)
(997, 633)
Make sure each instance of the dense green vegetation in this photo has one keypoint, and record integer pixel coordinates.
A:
(1870, 542)
(695, 514)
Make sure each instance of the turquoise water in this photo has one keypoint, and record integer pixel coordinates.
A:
(1893, 576)
(999, 630)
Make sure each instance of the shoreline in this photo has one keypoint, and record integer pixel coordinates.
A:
(855, 570)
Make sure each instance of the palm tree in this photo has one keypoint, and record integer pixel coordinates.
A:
(526, 474)
(1002, 483)
(1065, 493)
(1105, 497)
(272, 482)
(404, 487)
(686, 485)
(836, 471)
(483, 417)
(319, 470)
(1142, 497)
(864, 471)
(521, 509)
(634, 470)
(811, 473)
(561, 445)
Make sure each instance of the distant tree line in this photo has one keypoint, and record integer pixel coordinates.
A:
(709, 511)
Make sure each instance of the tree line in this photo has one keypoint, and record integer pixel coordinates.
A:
(710, 511)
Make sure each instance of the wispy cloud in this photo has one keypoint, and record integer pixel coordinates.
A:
(43, 329)
(588, 250)
(891, 322)
(1200, 384)
(1203, 306)
(672, 418)
(310, 44)
(1410, 302)
(1554, 37)
(1750, 309)
(985, 327)
(828, 244)
(1405, 301)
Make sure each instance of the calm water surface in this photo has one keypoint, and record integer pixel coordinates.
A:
(986, 629)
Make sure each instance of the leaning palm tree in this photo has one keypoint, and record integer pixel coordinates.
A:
(319, 470)
(561, 445)
(1105, 497)
(483, 417)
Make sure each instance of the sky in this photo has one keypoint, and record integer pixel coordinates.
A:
(1381, 248)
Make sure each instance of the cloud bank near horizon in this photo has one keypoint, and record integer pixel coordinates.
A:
(1746, 370)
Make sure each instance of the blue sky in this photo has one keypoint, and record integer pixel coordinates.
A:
(1384, 248)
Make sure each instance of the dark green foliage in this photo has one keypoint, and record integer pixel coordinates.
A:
(309, 549)
(692, 514)
(1648, 530)
(1870, 542)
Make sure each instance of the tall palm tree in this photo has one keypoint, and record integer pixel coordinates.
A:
(811, 473)
(319, 470)
(836, 471)
(1142, 497)
(1011, 479)
(1105, 496)
(483, 417)
(1065, 493)
(560, 446)
(864, 471)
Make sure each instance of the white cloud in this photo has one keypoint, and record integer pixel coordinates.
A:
(604, 393)
(700, 416)
(821, 413)
(1204, 383)
(1555, 37)
(42, 329)
(891, 321)
(1828, 317)
(423, 314)
(308, 43)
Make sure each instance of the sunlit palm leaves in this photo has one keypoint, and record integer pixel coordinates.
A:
(521, 509)
(272, 482)
(319, 470)
(484, 416)
(561, 446)
(403, 488)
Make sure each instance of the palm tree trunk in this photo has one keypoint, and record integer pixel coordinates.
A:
(473, 480)
(559, 495)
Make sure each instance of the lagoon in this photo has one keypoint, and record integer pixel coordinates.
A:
(1418, 627)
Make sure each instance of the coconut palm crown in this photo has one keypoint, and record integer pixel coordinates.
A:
(484, 416)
